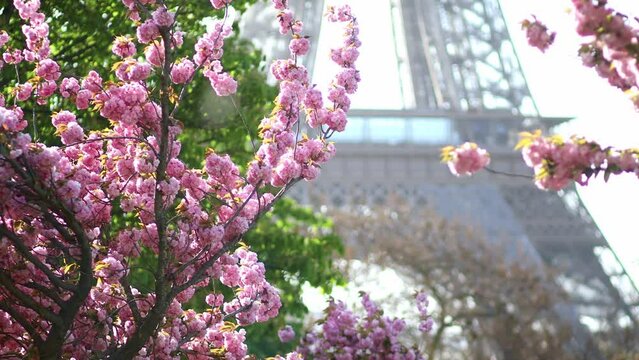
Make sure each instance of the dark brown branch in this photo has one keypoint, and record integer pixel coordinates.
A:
(242, 206)
(155, 315)
(240, 310)
(26, 325)
(51, 348)
(497, 172)
(107, 138)
(48, 292)
(206, 249)
(27, 301)
(436, 342)
(24, 252)
(131, 300)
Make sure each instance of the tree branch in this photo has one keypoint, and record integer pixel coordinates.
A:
(26, 300)
(149, 324)
(131, 300)
(24, 252)
(240, 310)
(201, 271)
(48, 292)
(26, 325)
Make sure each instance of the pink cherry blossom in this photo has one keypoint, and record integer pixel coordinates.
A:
(557, 162)
(280, 4)
(218, 4)
(154, 53)
(48, 69)
(182, 71)
(343, 334)
(222, 83)
(12, 57)
(92, 82)
(163, 17)
(537, 34)
(133, 70)
(11, 120)
(123, 47)
(147, 32)
(286, 334)
(23, 91)
(466, 159)
(299, 46)
(4, 38)
(609, 37)
(69, 87)
(82, 99)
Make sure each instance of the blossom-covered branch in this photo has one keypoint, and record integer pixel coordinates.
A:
(613, 46)
(556, 161)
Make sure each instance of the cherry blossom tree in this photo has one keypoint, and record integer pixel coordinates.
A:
(295, 244)
(65, 268)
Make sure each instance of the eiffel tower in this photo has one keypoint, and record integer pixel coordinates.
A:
(459, 79)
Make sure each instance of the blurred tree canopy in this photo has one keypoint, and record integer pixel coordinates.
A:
(296, 245)
(488, 305)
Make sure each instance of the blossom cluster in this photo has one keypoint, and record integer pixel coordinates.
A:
(69, 266)
(557, 161)
(282, 157)
(612, 49)
(537, 34)
(36, 51)
(286, 334)
(208, 52)
(465, 159)
(425, 320)
(344, 335)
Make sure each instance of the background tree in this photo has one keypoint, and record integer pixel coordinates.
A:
(488, 301)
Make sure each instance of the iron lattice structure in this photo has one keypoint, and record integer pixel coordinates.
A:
(464, 82)
(462, 58)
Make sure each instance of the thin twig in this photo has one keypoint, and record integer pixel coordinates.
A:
(497, 172)
(248, 131)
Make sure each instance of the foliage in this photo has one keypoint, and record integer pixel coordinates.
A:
(82, 27)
